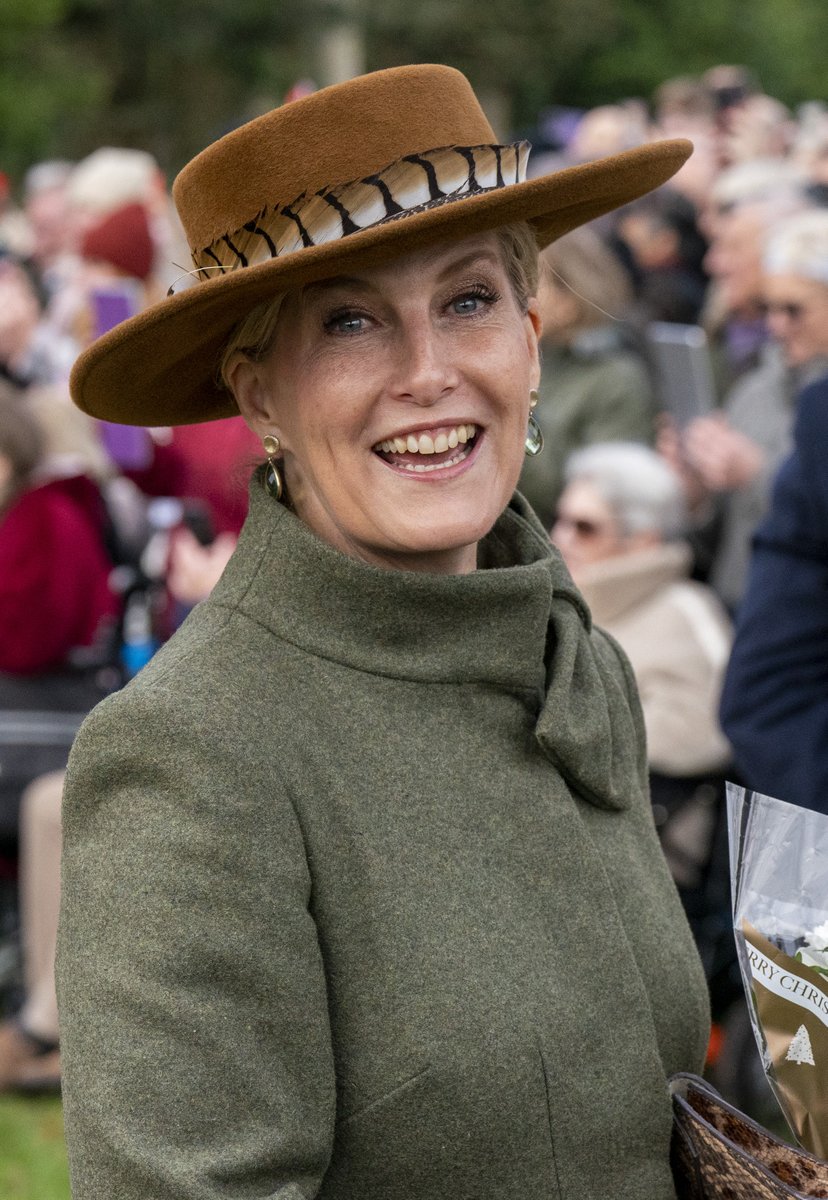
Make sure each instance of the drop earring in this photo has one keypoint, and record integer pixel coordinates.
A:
(273, 483)
(534, 434)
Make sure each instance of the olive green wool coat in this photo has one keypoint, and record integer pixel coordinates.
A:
(363, 899)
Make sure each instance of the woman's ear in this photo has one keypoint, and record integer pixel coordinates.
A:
(534, 329)
(255, 402)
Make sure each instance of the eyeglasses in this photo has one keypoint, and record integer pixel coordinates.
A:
(789, 309)
(580, 526)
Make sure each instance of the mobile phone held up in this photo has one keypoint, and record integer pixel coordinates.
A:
(684, 372)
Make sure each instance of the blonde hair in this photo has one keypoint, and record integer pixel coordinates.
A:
(521, 259)
(253, 336)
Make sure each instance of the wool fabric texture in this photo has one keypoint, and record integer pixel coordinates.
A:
(362, 896)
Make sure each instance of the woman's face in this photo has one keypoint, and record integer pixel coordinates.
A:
(585, 529)
(400, 396)
(797, 317)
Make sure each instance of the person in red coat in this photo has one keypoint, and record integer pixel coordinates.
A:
(54, 569)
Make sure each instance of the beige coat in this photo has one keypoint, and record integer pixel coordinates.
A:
(677, 637)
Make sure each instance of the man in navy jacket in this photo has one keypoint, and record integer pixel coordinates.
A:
(775, 700)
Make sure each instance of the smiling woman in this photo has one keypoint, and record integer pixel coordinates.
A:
(400, 398)
(340, 862)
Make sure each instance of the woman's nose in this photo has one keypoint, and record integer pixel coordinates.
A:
(425, 371)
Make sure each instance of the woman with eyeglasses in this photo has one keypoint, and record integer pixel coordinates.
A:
(619, 527)
(734, 455)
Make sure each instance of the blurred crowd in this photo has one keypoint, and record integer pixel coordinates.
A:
(652, 490)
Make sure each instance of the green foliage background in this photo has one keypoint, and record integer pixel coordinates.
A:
(170, 75)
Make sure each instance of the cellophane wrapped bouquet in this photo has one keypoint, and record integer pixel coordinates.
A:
(779, 881)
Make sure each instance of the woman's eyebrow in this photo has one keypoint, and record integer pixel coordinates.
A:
(487, 258)
(337, 281)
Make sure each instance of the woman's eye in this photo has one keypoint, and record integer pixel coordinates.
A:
(345, 322)
(473, 302)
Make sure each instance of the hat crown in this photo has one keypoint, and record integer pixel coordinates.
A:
(337, 135)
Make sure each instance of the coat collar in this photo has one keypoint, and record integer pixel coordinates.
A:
(517, 624)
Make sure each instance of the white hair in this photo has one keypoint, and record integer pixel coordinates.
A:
(109, 178)
(799, 246)
(46, 177)
(760, 181)
(642, 491)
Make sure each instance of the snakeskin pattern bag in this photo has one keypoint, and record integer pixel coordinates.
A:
(720, 1154)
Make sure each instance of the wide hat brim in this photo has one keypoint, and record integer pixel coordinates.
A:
(160, 368)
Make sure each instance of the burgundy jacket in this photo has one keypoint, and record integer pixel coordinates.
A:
(54, 571)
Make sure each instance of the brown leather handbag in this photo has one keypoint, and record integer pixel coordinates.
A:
(720, 1154)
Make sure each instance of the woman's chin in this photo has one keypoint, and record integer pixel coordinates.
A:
(438, 539)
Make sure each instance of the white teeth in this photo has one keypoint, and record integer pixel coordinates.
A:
(424, 468)
(424, 443)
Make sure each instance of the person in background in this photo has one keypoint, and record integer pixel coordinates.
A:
(55, 597)
(661, 234)
(57, 616)
(46, 209)
(15, 234)
(29, 1040)
(30, 352)
(775, 699)
(810, 150)
(119, 248)
(735, 453)
(205, 465)
(733, 313)
(111, 178)
(608, 129)
(595, 386)
(759, 128)
(99, 185)
(619, 525)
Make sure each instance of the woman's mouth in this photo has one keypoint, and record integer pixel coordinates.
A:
(429, 450)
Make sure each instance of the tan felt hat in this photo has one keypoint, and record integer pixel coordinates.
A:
(345, 178)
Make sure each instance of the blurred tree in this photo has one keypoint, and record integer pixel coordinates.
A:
(170, 75)
(44, 81)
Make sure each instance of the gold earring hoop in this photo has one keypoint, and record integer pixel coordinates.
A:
(534, 397)
(274, 485)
